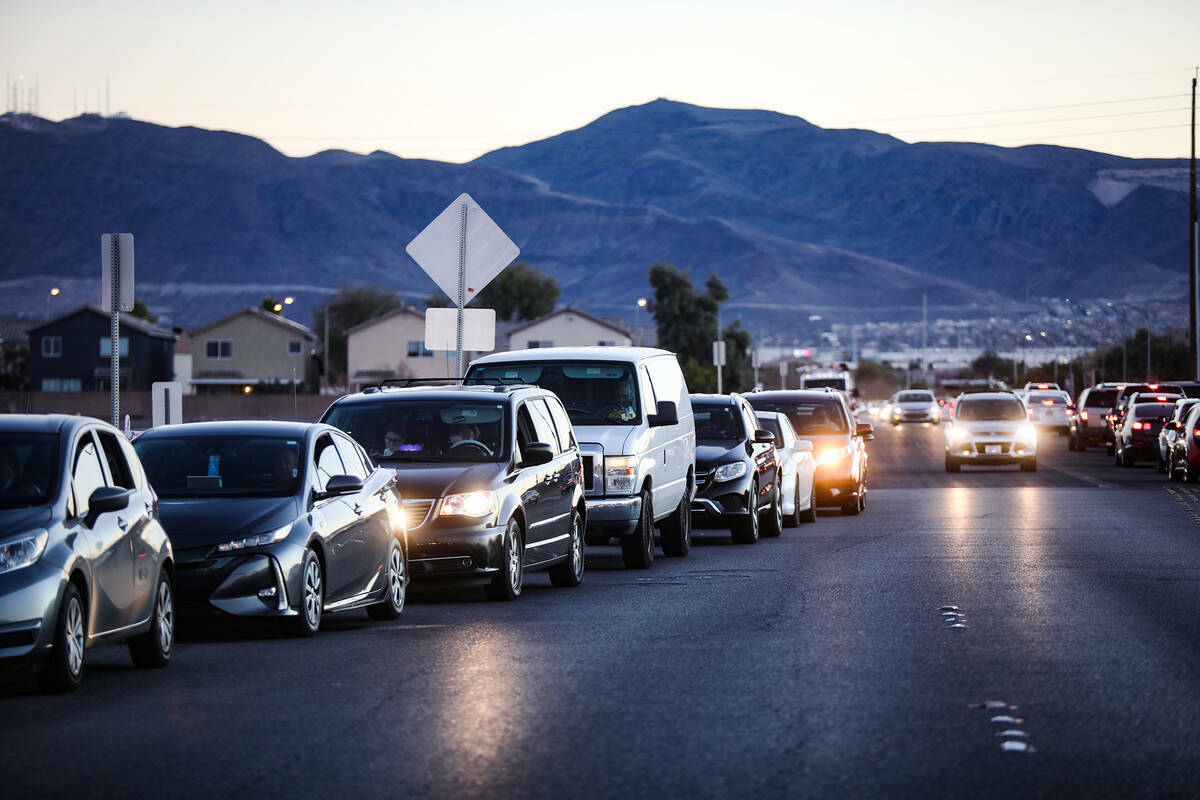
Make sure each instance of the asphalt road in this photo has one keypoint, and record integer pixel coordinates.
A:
(815, 665)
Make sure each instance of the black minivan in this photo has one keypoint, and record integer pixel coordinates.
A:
(491, 479)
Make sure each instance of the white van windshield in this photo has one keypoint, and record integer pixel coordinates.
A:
(593, 392)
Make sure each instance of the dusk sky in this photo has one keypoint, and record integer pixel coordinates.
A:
(452, 82)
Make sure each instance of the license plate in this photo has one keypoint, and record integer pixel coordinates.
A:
(992, 450)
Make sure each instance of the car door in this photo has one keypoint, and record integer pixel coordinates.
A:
(137, 517)
(546, 534)
(570, 480)
(763, 454)
(366, 548)
(334, 520)
(109, 545)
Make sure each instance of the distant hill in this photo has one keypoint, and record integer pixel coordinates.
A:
(790, 215)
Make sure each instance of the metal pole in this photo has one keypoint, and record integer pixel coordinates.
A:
(327, 382)
(719, 339)
(1194, 247)
(462, 290)
(1147, 346)
(115, 357)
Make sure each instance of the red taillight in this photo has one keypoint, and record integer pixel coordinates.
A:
(1083, 415)
(1043, 386)
(1152, 386)
(1137, 426)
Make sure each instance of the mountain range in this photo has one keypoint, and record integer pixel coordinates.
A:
(790, 215)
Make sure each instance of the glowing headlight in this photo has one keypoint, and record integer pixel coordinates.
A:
(620, 472)
(934, 410)
(471, 504)
(23, 551)
(958, 435)
(728, 472)
(262, 540)
(1027, 433)
(833, 456)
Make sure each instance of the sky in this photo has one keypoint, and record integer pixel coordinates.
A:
(453, 81)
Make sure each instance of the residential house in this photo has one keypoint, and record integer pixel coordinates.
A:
(568, 327)
(252, 350)
(73, 353)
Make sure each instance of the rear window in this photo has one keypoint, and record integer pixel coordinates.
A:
(1055, 399)
(1102, 399)
(1152, 410)
(990, 409)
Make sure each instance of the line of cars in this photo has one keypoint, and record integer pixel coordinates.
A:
(533, 456)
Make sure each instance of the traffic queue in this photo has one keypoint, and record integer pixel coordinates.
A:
(531, 458)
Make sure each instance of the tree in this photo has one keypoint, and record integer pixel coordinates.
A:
(989, 365)
(271, 304)
(352, 305)
(877, 379)
(520, 292)
(140, 309)
(687, 326)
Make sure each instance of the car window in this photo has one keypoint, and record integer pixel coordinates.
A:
(543, 426)
(425, 429)
(717, 422)
(749, 419)
(562, 423)
(28, 468)
(327, 461)
(526, 434)
(1041, 398)
(119, 470)
(771, 425)
(219, 465)
(1001, 409)
(667, 378)
(350, 459)
(1103, 398)
(86, 474)
(1151, 410)
(818, 416)
(914, 397)
(593, 392)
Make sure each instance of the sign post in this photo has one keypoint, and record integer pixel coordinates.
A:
(462, 250)
(116, 295)
(719, 361)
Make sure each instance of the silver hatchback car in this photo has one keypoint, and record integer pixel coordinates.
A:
(83, 558)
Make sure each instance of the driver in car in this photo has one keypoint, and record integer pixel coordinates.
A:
(622, 410)
(466, 434)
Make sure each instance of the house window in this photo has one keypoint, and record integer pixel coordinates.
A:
(62, 385)
(52, 347)
(294, 347)
(417, 349)
(540, 343)
(218, 348)
(106, 346)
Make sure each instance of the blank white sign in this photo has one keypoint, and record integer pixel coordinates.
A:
(479, 329)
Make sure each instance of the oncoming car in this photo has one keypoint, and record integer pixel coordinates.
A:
(990, 428)
(915, 405)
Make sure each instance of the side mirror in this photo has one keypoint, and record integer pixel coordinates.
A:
(668, 414)
(105, 499)
(342, 484)
(803, 446)
(764, 437)
(865, 430)
(537, 453)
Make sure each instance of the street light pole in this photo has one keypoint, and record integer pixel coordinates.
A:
(641, 303)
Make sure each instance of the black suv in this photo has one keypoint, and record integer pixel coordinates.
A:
(491, 477)
(737, 472)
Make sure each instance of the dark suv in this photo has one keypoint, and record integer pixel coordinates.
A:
(491, 477)
(839, 442)
(737, 472)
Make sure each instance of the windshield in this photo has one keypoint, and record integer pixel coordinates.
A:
(426, 430)
(28, 469)
(717, 423)
(991, 409)
(915, 397)
(594, 392)
(1152, 410)
(821, 383)
(817, 417)
(222, 466)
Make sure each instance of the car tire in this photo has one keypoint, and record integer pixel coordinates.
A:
(677, 528)
(63, 671)
(1109, 448)
(1029, 465)
(746, 531)
(856, 506)
(810, 513)
(397, 586)
(569, 573)
(1161, 466)
(312, 598)
(508, 583)
(152, 649)
(637, 549)
(952, 464)
(1127, 460)
(774, 526)
(793, 519)
(1173, 474)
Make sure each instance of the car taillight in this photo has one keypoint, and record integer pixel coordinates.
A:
(1137, 426)
(1161, 399)
(1083, 415)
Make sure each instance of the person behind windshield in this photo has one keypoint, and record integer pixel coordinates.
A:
(395, 437)
(463, 432)
(622, 409)
(8, 470)
(822, 419)
(285, 466)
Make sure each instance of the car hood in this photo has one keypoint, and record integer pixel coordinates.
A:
(424, 480)
(613, 439)
(16, 521)
(206, 521)
(709, 453)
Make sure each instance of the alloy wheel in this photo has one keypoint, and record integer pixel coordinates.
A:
(312, 593)
(576, 547)
(166, 617)
(396, 578)
(74, 636)
(515, 578)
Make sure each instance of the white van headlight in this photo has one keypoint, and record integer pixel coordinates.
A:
(620, 473)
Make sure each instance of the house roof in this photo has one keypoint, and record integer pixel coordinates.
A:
(16, 329)
(571, 310)
(395, 312)
(127, 321)
(262, 314)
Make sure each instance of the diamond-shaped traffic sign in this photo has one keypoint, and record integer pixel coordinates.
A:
(437, 248)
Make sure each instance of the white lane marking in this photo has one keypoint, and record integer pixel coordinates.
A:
(1099, 484)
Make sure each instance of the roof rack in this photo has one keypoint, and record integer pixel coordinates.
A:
(497, 384)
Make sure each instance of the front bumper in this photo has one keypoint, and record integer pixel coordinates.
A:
(455, 553)
(612, 516)
(29, 600)
(257, 584)
(721, 504)
(992, 451)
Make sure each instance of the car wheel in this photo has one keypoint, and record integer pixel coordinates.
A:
(746, 531)
(952, 464)
(1127, 459)
(677, 528)
(152, 649)
(1173, 474)
(855, 506)
(1029, 465)
(508, 582)
(1161, 466)
(810, 513)
(312, 597)
(1109, 448)
(774, 525)
(397, 586)
(793, 519)
(637, 549)
(569, 573)
(64, 669)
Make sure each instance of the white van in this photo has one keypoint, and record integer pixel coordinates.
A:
(633, 419)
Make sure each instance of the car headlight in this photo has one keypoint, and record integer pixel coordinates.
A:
(23, 551)
(262, 540)
(729, 472)
(958, 435)
(1027, 433)
(833, 456)
(934, 410)
(470, 504)
(620, 473)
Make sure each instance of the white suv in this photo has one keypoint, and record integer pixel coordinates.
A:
(632, 415)
(990, 428)
(915, 405)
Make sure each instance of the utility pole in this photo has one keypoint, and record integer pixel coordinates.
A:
(925, 338)
(1194, 244)
(718, 339)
